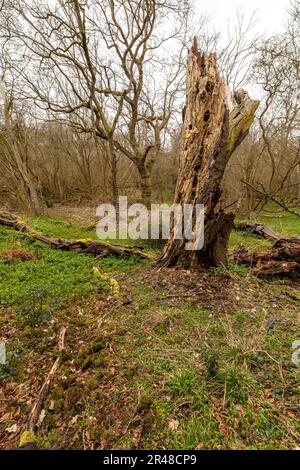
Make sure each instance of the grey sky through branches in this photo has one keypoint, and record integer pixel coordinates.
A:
(270, 13)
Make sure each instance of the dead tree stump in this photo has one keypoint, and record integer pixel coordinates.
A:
(215, 123)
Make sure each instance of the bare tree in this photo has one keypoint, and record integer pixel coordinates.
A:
(103, 66)
(235, 49)
(14, 155)
(277, 70)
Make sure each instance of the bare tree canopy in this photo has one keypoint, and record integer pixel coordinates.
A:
(103, 66)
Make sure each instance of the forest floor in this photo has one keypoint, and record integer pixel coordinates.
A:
(173, 360)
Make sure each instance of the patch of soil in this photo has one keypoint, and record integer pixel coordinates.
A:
(82, 214)
(214, 291)
(22, 255)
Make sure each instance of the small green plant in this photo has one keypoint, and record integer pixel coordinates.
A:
(10, 368)
(211, 363)
(37, 309)
(234, 380)
(233, 268)
(183, 383)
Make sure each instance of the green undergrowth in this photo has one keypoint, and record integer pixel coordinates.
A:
(177, 375)
(285, 224)
(156, 371)
(74, 231)
(62, 275)
(61, 228)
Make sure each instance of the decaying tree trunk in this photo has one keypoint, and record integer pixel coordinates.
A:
(215, 124)
(283, 259)
(94, 247)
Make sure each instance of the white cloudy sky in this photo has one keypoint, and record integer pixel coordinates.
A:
(270, 13)
(270, 17)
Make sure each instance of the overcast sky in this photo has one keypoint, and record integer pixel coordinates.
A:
(270, 18)
(270, 13)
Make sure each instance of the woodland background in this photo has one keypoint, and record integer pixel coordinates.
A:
(73, 136)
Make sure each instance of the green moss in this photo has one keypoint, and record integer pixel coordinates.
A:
(95, 361)
(94, 356)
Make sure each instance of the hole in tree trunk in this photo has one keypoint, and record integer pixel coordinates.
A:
(209, 87)
(206, 116)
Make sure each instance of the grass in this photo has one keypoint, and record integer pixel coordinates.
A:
(179, 372)
(196, 379)
(285, 223)
(61, 228)
(74, 231)
(249, 241)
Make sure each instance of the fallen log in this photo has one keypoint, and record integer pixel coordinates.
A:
(283, 259)
(27, 441)
(94, 247)
(257, 229)
(44, 390)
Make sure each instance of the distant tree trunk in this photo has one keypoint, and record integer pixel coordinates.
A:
(29, 186)
(298, 178)
(215, 124)
(36, 207)
(145, 183)
(26, 191)
(114, 174)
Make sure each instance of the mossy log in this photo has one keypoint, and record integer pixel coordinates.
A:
(94, 247)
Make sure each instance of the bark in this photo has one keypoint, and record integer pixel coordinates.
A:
(35, 204)
(93, 247)
(215, 124)
(283, 259)
(146, 189)
(114, 175)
